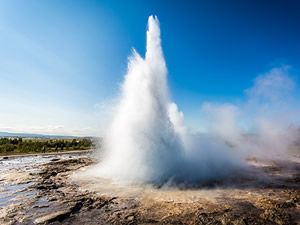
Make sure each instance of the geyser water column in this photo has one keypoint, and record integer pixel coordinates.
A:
(147, 141)
(141, 145)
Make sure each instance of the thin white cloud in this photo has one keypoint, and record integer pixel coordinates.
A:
(50, 129)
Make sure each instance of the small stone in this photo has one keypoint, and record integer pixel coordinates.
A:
(130, 218)
(52, 199)
(56, 159)
(53, 216)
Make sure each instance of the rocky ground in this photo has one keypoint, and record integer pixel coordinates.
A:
(48, 194)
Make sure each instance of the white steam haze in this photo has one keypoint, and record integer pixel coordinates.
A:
(147, 141)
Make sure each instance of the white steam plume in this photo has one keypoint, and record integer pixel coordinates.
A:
(147, 141)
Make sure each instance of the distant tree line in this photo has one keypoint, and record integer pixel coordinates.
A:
(20, 145)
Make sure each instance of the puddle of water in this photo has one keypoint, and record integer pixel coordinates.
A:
(34, 160)
(40, 202)
(10, 193)
(14, 191)
(19, 186)
(42, 207)
(16, 198)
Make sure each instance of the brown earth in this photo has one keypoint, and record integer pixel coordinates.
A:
(58, 199)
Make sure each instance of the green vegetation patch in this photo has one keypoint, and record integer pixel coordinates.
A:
(24, 145)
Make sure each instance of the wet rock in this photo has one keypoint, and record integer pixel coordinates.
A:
(243, 222)
(52, 199)
(40, 187)
(284, 205)
(42, 172)
(276, 216)
(60, 215)
(5, 157)
(75, 206)
(40, 206)
(53, 173)
(53, 160)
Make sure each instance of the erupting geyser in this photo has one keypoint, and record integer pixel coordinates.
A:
(147, 142)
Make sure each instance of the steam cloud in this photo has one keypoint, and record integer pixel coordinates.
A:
(147, 141)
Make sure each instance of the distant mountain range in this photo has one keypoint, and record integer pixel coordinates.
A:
(26, 135)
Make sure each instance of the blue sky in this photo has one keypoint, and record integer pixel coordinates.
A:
(61, 61)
